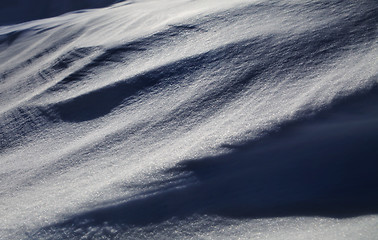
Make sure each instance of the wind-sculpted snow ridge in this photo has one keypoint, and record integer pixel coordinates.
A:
(191, 119)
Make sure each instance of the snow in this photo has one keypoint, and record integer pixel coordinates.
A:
(191, 119)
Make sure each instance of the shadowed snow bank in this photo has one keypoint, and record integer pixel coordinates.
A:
(185, 112)
(322, 166)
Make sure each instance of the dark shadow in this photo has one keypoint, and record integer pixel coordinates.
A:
(324, 166)
(102, 101)
(9, 38)
(18, 11)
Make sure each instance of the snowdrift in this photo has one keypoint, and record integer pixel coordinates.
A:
(191, 119)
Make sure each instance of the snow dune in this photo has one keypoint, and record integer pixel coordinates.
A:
(191, 119)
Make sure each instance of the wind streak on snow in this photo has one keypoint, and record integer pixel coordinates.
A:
(96, 102)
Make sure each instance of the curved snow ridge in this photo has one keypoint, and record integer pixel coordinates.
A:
(308, 168)
(322, 42)
(96, 101)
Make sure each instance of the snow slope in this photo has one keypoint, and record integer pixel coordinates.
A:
(161, 119)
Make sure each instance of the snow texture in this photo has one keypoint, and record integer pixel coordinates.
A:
(182, 119)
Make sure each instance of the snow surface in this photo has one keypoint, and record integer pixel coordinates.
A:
(181, 119)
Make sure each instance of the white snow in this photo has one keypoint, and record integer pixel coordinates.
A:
(100, 108)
